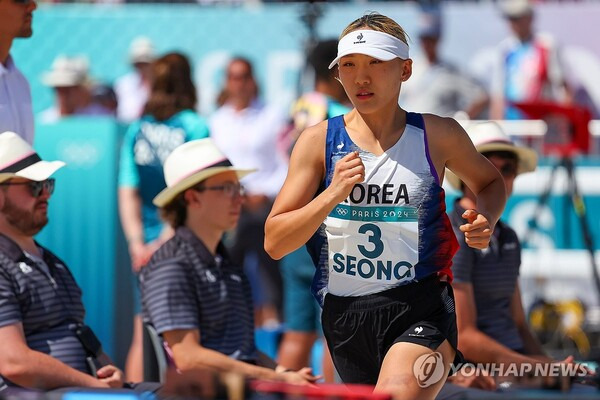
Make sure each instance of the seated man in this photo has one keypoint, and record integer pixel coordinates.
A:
(491, 322)
(191, 292)
(43, 341)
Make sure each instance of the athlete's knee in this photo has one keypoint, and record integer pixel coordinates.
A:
(396, 383)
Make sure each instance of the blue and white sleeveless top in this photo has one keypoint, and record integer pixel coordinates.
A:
(393, 228)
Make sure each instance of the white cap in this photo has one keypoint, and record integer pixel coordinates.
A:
(515, 8)
(141, 50)
(372, 43)
(67, 71)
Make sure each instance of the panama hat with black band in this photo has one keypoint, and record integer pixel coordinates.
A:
(191, 163)
(488, 136)
(19, 160)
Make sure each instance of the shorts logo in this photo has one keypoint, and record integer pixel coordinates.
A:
(340, 146)
(429, 368)
(418, 329)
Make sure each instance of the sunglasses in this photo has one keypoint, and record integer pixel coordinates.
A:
(36, 187)
(508, 170)
(229, 189)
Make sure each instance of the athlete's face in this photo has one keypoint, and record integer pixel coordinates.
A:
(372, 84)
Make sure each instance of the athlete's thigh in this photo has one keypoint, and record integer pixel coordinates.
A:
(412, 371)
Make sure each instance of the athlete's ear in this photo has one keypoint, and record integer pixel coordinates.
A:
(406, 69)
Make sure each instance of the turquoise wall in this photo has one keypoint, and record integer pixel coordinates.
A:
(84, 229)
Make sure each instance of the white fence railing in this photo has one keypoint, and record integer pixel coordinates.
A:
(534, 131)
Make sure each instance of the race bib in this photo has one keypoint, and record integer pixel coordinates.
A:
(377, 245)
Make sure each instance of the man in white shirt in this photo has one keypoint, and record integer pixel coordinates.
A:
(437, 86)
(248, 132)
(16, 112)
(133, 89)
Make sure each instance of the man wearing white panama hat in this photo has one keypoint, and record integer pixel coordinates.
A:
(193, 295)
(491, 323)
(492, 326)
(43, 341)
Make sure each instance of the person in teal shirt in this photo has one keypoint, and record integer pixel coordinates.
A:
(168, 121)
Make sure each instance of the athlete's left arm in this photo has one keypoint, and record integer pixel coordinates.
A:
(450, 147)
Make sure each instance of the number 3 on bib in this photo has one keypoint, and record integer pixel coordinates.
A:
(374, 235)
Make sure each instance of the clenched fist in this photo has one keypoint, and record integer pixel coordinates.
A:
(348, 171)
(478, 230)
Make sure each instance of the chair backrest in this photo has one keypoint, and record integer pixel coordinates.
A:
(155, 358)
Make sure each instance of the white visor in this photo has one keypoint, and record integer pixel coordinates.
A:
(376, 44)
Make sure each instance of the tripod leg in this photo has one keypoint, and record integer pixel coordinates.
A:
(580, 211)
(539, 208)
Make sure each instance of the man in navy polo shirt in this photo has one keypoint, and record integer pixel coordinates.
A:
(43, 342)
(193, 295)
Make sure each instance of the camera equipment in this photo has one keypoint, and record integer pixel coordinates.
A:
(568, 134)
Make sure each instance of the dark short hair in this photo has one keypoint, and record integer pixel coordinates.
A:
(175, 212)
(320, 57)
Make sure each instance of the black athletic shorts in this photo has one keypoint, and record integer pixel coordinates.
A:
(360, 330)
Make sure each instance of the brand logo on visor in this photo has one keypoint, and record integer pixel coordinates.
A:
(359, 37)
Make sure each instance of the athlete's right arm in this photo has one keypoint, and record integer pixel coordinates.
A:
(296, 213)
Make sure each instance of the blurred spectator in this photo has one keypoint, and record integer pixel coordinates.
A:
(16, 112)
(105, 96)
(302, 313)
(133, 89)
(437, 86)
(529, 67)
(168, 121)
(248, 131)
(72, 88)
